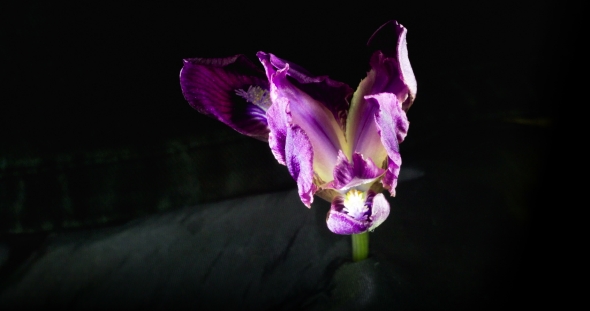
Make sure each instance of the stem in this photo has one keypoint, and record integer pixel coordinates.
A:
(360, 246)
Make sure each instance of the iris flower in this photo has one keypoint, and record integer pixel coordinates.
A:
(339, 144)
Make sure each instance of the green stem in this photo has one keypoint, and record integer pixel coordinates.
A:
(360, 246)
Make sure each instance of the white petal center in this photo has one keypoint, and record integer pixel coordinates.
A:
(354, 204)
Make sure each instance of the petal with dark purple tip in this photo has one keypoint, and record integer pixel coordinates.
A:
(341, 223)
(210, 86)
(299, 158)
(392, 64)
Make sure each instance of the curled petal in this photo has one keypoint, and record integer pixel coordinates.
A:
(269, 69)
(361, 129)
(365, 169)
(389, 180)
(393, 124)
(360, 172)
(279, 122)
(212, 87)
(379, 211)
(391, 63)
(313, 117)
(341, 223)
(392, 121)
(334, 95)
(343, 172)
(299, 158)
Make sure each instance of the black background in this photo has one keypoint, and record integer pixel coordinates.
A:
(88, 74)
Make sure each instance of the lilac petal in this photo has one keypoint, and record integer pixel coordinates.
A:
(341, 223)
(393, 124)
(389, 180)
(269, 69)
(365, 169)
(394, 72)
(299, 158)
(379, 211)
(391, 119)
(312, 116)
(210, 86)
(387, 78)
(361, 129)
(390, 72)
(343, 172)
(333, 94)
(360, 171)
(278, 124)
(279, 119)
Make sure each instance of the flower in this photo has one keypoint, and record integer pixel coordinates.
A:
(338, 144)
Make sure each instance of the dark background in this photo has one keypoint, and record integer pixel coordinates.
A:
(94, 130)
(88, 73)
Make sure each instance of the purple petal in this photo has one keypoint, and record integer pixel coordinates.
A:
(341, 223)
(393, 126)
(387, 77)
(313, 117)
(360, 171)
(279, 119)
(391, 119)
(365, 168)
(361, 129)
(210, 86)
(299, 158)
(269, 69)
(343, 172)
(331, 93)
(278, 123)
(379, 210)
(389, 180)
(391, 63)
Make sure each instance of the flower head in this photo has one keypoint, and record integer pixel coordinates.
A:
(339, 144)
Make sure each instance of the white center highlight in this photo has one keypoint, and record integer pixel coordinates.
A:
(354, 204)
(256, 95)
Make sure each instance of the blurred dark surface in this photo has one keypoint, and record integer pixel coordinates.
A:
(96, 140)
